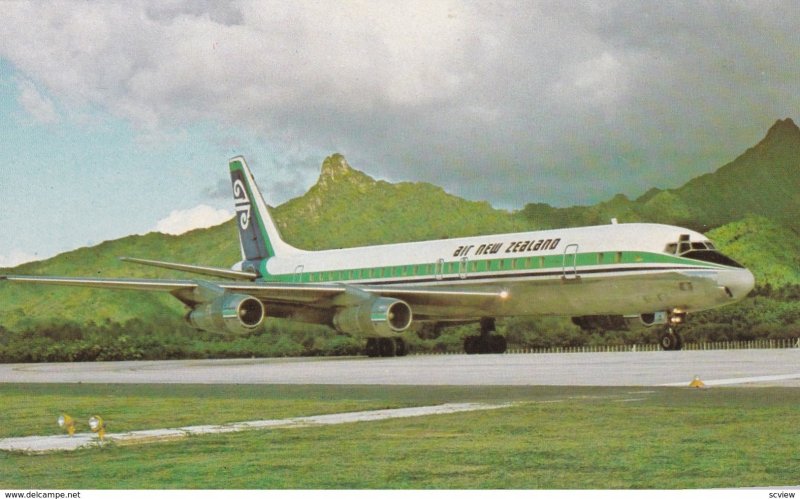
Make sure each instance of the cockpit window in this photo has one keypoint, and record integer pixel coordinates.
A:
(712, 256)
(703, 251)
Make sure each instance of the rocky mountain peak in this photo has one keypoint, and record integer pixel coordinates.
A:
(782, 131)
(335, 168)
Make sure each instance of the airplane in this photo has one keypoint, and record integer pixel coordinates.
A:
(599, 275)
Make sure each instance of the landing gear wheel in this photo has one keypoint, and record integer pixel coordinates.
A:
(671, 340)
(372, 349)
(476, 344)
(497, 343)
(387, 347)
(472, 344)
(400, 347)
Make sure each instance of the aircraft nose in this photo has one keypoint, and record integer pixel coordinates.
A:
(737, 282)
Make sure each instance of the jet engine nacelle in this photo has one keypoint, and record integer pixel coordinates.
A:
(381, 317)
(238, 314)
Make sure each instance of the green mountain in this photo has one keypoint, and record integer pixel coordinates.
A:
(349, 208)
(751, 202)
(763, 181)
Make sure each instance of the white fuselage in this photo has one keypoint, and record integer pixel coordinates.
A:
(609, 269)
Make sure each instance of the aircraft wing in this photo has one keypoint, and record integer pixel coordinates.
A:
(107, 283)
(335, 294)
(190, 292)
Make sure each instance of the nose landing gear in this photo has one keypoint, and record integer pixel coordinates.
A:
(671, 338)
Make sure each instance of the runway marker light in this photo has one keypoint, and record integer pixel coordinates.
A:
(697, 383)
(98, 426)
(66, 422)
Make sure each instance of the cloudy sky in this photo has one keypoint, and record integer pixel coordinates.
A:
(119, 118)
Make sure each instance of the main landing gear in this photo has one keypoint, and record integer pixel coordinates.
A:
(386, 347)
(488, 341)
(670, 337)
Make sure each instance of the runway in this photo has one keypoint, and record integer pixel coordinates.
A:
(720, 367)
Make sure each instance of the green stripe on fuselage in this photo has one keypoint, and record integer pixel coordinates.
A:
(614, 261)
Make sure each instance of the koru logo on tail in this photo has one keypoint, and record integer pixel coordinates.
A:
(242, 204)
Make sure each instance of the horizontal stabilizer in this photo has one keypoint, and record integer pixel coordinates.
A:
(195, 269)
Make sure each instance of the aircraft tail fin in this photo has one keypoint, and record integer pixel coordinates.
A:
(258, 235)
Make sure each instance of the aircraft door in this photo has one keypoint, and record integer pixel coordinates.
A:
(462, 268)
(298, 274)
(439, 269)
(570, 263)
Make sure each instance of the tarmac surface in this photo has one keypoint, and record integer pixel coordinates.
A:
(716, 367)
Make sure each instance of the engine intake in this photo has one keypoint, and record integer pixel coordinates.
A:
(381, 317)
(238, 314)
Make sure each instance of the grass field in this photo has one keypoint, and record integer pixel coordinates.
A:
(552, 438)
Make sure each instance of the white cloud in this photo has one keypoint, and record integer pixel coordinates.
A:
(199, 217)
(38, 106)
(601, 77)
(433, 91)
(17, 257)
(155, 65)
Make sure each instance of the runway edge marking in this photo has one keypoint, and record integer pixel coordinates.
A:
(61, 443)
